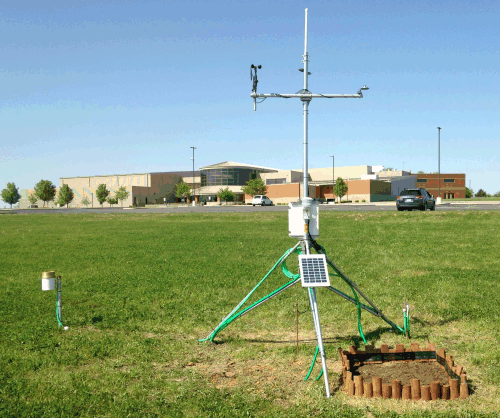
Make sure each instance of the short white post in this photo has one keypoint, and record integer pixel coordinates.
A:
(49, 283)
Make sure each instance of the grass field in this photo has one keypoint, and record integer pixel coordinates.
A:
(474, 199)
(139, 290)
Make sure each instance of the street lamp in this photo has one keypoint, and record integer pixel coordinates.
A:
(439, 165)
(194, 203)
(333, 174)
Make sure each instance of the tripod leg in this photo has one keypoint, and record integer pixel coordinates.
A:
(280, 261)
(314, 309)
(379, 311)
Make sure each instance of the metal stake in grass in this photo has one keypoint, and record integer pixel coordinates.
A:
(297, 323)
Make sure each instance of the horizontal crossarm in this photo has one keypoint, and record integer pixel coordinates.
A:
(307, 96)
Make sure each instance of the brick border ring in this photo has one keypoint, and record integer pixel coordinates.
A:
(355, 386)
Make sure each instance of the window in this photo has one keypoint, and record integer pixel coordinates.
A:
(411, 192)
(275, 181)
(449, 180)
(421, 180)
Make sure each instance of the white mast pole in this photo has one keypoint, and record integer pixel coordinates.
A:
(306, 96)
(305, 60)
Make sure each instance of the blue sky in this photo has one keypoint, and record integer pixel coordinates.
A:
(94, 88)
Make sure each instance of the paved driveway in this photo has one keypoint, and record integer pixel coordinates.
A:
(365, 207)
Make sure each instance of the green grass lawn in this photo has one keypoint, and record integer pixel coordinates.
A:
(474, 199)
(139, 290)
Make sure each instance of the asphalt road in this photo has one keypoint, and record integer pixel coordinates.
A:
(247, 208)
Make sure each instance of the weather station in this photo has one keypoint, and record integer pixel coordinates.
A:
(303, 224)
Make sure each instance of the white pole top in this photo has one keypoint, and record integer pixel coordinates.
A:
(305, 43)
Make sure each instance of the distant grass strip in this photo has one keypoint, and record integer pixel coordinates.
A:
(139, 290)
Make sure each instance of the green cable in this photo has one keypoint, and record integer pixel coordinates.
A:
(407, 324)
(57, 314)
(360, 328)
(236, 314)
(294, 277)
(312, 364)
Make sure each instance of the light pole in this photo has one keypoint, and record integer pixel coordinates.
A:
(439, 164)
(194, 203)
(333, 174)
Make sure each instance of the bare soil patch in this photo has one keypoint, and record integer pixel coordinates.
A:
(404, 371)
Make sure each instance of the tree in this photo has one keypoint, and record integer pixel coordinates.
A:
(33, 198)
(420, 172)
(254, 187)
(481, 193)
(183, 190)
(112, 200)
(101, 193)
(340, 188)
(122, 194)
(45, 191)
(11, 194)
(226, 195)
(85, 201)
(65, 195)
(469, 193)
(497, 194)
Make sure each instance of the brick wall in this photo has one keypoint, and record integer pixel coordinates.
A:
(456, 188)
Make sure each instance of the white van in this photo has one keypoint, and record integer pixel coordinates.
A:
(262, 201)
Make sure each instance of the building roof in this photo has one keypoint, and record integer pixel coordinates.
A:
(232, 164)
(187, 173)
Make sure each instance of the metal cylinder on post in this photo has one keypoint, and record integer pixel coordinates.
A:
(48, 280)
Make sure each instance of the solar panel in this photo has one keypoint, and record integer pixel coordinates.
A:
(313, 270)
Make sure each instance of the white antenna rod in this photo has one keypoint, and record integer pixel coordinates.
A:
(305, 57)
(305, 101)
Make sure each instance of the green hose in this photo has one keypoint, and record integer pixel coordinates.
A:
(312, 364)
(360, 328)
(57, 314)
(406, 323)
(237, 314)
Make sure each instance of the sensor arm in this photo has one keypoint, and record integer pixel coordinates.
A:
(308, 95)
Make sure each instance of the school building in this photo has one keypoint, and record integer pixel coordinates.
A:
(365, 183)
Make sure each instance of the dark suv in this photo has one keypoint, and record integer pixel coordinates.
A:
(415, 199)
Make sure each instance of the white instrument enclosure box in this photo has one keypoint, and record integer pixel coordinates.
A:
(296, 219)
